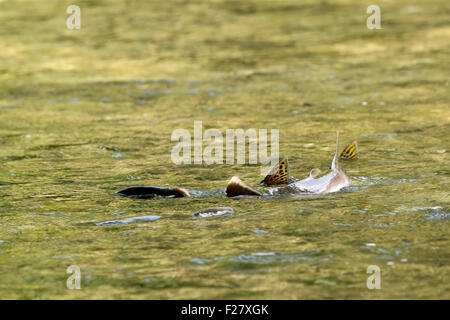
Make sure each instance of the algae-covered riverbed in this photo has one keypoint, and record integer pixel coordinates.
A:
(85, 113)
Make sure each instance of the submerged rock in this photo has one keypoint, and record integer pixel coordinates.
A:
(211, 212)
(128, 220)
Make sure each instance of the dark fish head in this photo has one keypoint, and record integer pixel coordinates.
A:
(141, 192)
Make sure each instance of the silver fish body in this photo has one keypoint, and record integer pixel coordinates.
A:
(333, 181)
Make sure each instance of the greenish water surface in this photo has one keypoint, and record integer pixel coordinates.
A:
(84, 113)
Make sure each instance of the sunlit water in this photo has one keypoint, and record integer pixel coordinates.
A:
(82, 117)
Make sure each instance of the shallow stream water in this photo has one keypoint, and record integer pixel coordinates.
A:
(85, 113)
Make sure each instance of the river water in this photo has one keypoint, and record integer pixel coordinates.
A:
(85, 113)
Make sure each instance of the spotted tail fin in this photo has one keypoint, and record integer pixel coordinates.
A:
(350, 152)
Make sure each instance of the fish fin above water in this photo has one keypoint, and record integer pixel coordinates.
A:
(350, 152)
(236, 187)
(333, 163)
(278, 175)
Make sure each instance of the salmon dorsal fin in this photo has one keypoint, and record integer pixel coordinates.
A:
(333, 163)
(350, 152)
(236, 187)
(278, 175)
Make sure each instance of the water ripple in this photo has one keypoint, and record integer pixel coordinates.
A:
(268, 257)
(128, 220)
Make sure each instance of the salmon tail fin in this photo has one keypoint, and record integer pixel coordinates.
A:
(279, 174)
(333, 163)
(350, 152)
